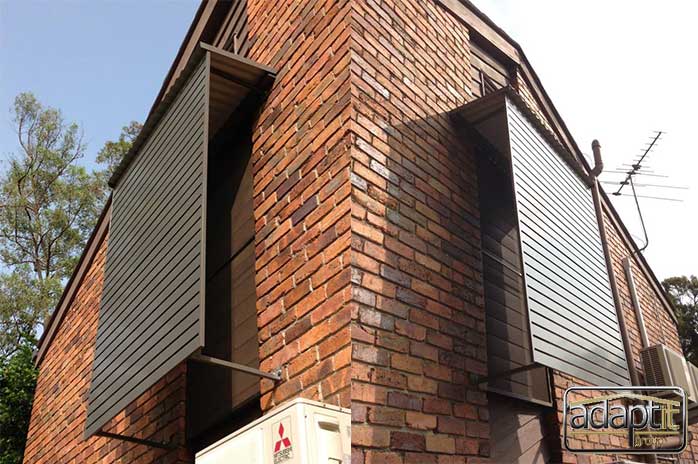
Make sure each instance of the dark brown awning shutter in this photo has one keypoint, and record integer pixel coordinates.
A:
(572, 322)
(152, 308)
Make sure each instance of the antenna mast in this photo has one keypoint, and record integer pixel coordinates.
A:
(633, 170)
(635, 167)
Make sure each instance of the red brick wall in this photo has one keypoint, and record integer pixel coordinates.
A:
(60, 402)
(418, 328)
(301, 195)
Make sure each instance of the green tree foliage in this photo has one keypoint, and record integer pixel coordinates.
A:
(49, 204)
(17, 382)
(22, 304)
(114, 151)
(683, 292)
(48, 207)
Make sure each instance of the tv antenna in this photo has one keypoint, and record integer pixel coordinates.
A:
(638, 167)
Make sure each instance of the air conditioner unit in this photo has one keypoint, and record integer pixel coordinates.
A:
(665, 367)
(298, 432)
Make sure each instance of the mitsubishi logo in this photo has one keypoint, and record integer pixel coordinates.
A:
(282, 440)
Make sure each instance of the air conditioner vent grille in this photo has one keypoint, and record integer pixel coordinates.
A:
(651, 361)
(665, 367)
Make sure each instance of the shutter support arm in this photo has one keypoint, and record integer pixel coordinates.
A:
(140, 441)
(508, 373)
(275, 375)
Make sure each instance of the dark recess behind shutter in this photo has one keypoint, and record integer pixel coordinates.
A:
(507, 327)
(216, 394)
(150, 315)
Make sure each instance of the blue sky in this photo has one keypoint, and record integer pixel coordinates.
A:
(101, 62)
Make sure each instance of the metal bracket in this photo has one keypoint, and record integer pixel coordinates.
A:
(509, 373)
(140, 441)
(275, 375)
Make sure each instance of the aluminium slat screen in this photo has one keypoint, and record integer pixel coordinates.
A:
(150, 314)
(574, 327)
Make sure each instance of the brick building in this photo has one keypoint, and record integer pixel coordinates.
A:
(326, 190)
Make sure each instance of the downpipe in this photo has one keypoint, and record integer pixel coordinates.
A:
(596, 194)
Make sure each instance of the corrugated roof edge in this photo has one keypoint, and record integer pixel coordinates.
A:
(541, 93)
(88, 254)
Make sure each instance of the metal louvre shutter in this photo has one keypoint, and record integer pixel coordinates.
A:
(150, 315)
(566, 309)
(574, 327)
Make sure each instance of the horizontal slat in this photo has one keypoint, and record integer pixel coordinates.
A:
(165, 362)
(539, 151)
(157, 297)
(554, 241)
(568, 337)
(162, 244)
(589, 354)
(144, 349)
(553, 310)
(179, 111)
(557, 291)
(542, 193)
(547, 182)
(550, 355)
(160, 163)
(179, 108)
(568, 277)
(537, 203)
(141, 200)
(158, 226)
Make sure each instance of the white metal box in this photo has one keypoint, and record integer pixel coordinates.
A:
(298, 432)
